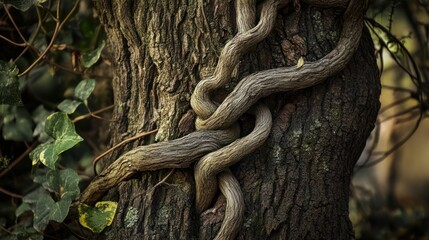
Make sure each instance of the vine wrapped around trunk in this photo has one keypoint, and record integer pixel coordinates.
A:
(217, 140)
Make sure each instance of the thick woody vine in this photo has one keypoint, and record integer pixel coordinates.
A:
(217, 143)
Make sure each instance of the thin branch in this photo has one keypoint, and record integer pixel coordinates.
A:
(398, 89)
(13, 23)
(394, 148)
(392, 12)
(92, 114)
(403, 112)
(401, 45)
(12, 42)
(5, 230)
(18, 160)
(34, 34)
(406, 119)
(58, 27)
(11, 194)
(393, 104)
(63, 67)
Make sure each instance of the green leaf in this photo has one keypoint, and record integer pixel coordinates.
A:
(59, 127)
(5, 110)
(19, 131)
(49, 156)
(69, 106)
(8, 68)
(84, 89)
(35, 154)
(40, 114)
(24, 207)
(65, 143)
(32, 197)
(64, 184)
(99, 217)
(40, 175)
(22, 5)
(18, 125)
(9, 85)
(21, 231)
(45, 209)
(89, 58)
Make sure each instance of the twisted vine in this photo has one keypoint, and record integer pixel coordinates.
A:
(217, 143)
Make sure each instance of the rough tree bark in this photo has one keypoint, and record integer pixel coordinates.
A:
(297, 185)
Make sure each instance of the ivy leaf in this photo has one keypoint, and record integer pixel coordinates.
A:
(22, 5)
(84, 89)
(44, 208)
(40, 114)
(66, 142)
(64, 184)
(69, 106)
(9, 85)
(18, 125)
(62, 130)
(59, 125)
(99, 217)
(21, 130)
(89, 58)
(35, 154)
(24, 207)
(49, 156)
(47, 209)
(22, 231)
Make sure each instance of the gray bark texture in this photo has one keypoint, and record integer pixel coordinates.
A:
(297, 185)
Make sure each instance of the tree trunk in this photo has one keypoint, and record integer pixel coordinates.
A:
(297, 185)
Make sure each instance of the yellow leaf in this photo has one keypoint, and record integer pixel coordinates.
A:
(99, 217)
(300, 62)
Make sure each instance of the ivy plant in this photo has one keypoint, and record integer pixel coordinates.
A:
(47, 75)
(63, 185)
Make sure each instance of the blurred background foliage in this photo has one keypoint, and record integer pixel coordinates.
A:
(52, 49)
(390, 192)
(50, 46)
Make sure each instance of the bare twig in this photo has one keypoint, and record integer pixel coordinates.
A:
(18, 160)
(58, 27)
(92, 114)
(14, 24)
(11, 194)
